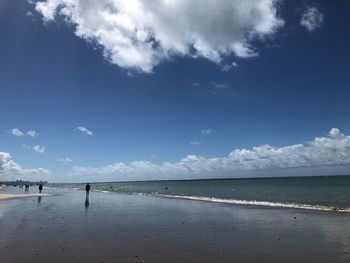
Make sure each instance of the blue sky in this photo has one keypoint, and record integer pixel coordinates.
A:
(279, 76)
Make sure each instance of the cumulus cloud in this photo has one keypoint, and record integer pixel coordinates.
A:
(10, 170)
(312, 19)
(206, 131)
(140, 34)
(330, 151)
(84, 130)
(17, 132)
(32, 133)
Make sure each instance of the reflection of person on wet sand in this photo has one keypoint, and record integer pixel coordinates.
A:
(87, 203)
(39, 199)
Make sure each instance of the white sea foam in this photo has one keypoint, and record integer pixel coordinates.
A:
(260, 203)
(102, 191)
(49, 188)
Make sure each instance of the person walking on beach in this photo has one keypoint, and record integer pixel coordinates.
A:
(40, 188)
(87, 188)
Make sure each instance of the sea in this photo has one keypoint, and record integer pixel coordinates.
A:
(327, 193)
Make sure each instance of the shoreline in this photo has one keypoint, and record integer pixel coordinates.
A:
(310, 193)
(256, 203)
(245, 203)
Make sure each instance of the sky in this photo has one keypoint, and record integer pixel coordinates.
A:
(115, 90)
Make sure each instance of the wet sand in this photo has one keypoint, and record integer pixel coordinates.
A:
(13, 196)
(131, 228)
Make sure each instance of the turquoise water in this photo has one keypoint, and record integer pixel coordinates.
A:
(318, 193)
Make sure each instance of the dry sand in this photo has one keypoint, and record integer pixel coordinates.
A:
(129, 228)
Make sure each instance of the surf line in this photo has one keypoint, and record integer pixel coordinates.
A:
(259, 203)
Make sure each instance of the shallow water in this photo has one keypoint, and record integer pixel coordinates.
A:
(318, 193)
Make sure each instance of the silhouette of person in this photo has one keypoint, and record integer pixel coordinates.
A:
(87, 189)
(40, 188)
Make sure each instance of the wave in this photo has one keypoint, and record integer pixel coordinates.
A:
(259, 203)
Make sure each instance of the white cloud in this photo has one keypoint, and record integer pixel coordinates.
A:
(36, 148)
(206, 131)
(84, 130)
(65, 160)
(140, 34)
(32, 133)
(39, 149)
(312, 19)
(17, 132)
(10, 170)
(331, 151)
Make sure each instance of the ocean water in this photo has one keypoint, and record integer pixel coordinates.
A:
(317, 193)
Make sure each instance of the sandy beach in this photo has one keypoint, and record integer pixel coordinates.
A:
(113, 227)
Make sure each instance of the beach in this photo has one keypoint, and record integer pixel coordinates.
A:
(113, 227)
(14, 196)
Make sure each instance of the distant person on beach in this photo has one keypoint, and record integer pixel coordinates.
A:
(40, 188)
(87, 188)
